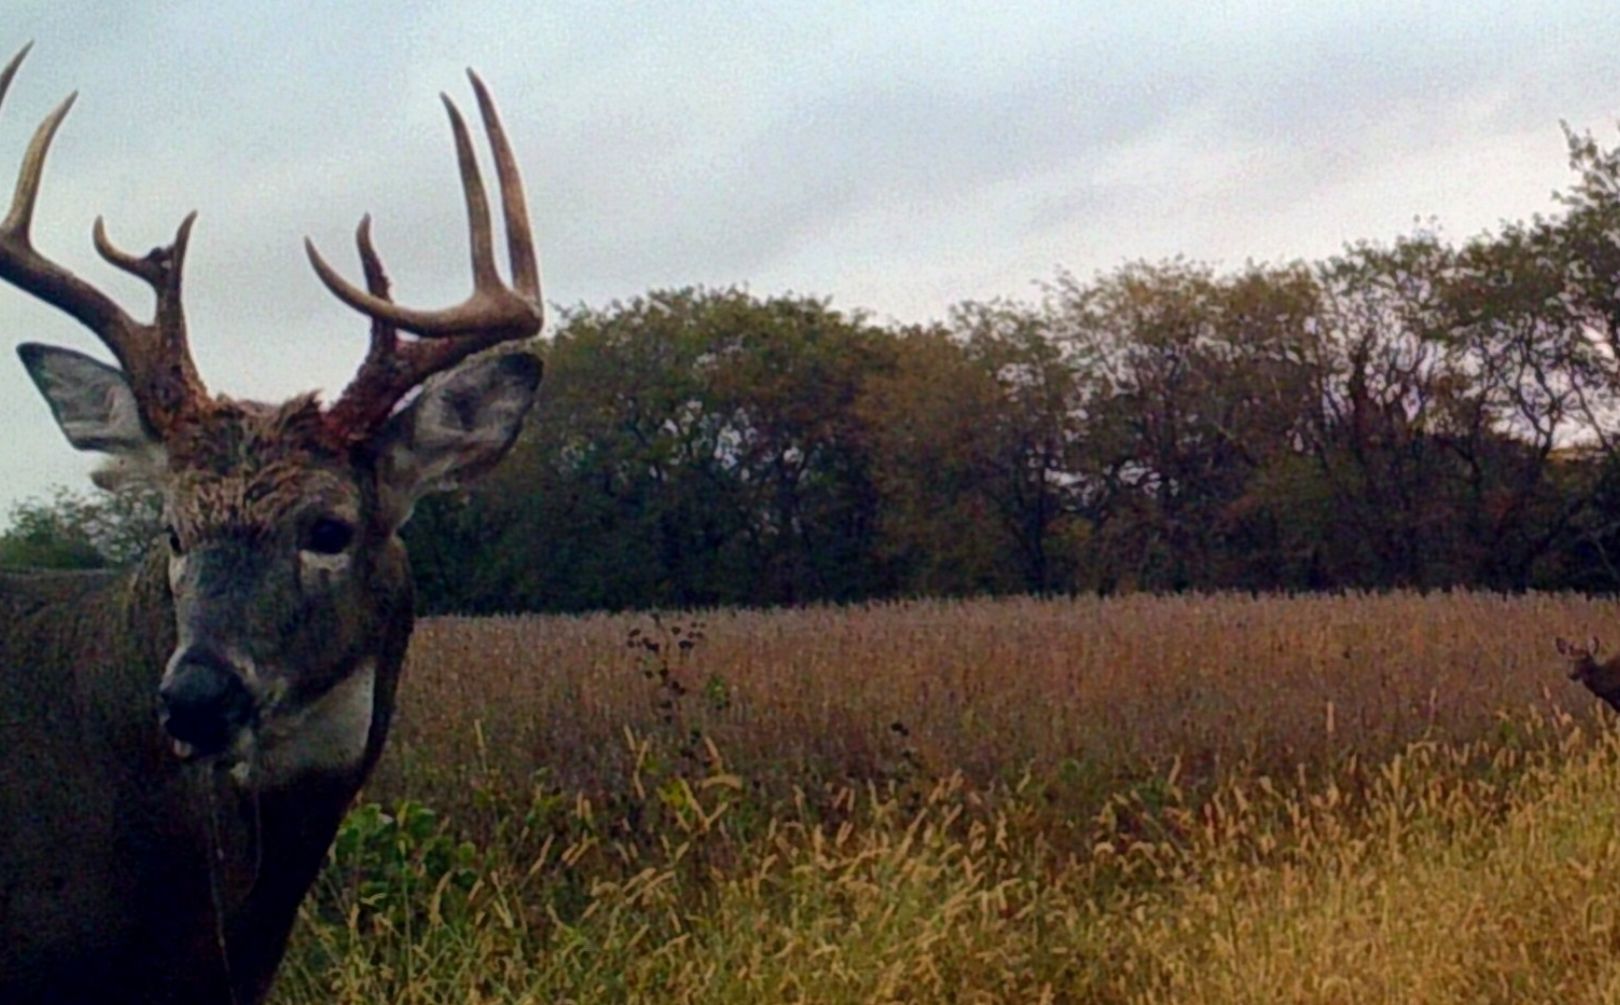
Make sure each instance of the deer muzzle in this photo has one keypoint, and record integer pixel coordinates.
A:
(204, 703)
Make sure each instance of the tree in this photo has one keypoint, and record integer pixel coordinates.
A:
(74, 531)
(690, 448)
(940, 464)
(1201, 381)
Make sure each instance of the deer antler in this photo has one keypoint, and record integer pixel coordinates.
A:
(154, 355)
(492, 314)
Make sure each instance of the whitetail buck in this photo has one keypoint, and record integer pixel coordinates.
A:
(1600, 678)
(178, 744)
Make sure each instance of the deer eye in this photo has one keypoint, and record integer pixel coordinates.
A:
(328, 536)
(174, 542)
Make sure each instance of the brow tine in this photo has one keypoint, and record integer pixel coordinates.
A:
(161, 271)
(383, 333)
(342, 288)
(472, 316)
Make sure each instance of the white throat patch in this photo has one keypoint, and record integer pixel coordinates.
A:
(328, 735)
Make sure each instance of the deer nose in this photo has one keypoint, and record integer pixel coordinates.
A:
(204, 701)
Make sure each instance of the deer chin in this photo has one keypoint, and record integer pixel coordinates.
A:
(327, 736)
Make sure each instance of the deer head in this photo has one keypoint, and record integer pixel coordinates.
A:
(1582, 659)
(284, 564)
(1601, 678)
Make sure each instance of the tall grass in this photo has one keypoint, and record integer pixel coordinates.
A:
(987, 688)
(1202, 799)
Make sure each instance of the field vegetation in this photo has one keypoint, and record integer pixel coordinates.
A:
(1204, 799)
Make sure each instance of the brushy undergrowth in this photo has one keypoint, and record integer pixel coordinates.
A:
(1475, 865)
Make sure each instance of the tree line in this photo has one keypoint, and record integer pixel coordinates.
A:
(1425, 413)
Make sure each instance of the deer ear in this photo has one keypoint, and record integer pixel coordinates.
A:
(96, 410)
(455, 430)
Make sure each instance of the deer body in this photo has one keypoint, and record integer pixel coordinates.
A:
(125, 909)
(178, 744)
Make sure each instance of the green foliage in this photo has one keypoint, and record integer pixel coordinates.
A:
(690, 448)
(74, 531)
(396, 867)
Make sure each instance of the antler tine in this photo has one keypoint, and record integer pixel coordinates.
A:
(514, 207)
(21, 217)
(160, 267)
(391, 369)
(20, 264)
(492, 314)
(11, 68)
(384, 337)
(164, 362)
(155, 355)
(480, 237)
(372, 394)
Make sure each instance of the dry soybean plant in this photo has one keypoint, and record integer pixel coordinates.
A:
(988, 688)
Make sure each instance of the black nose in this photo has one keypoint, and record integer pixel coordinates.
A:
(204, 701)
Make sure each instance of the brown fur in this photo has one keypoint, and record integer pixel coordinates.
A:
(122, 912)
(147, 860)
(117, 843)
(178, 746)
(248, 466)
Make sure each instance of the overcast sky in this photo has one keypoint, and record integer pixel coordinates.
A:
(898, 157)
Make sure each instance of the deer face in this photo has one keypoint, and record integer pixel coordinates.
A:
(283, 559)
(273, 585)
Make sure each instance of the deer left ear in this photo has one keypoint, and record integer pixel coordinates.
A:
(454, 431)
(97, 410)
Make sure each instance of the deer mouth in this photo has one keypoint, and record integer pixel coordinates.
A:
(202, 746)
(327, 734)
(205, 705)
(232, 751)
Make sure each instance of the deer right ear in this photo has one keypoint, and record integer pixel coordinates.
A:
(462, 423)
(96, 410)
